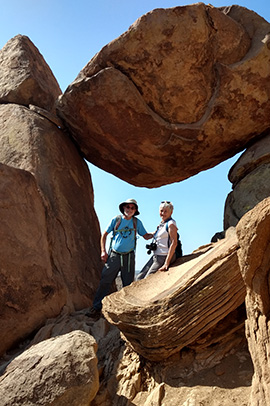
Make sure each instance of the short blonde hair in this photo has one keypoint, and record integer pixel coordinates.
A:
(165, 203)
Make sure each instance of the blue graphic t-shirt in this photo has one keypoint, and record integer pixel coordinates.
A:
(124, 239)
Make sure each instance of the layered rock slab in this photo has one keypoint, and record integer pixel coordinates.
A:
(65, 232)
(25, 77)
(165, 312)
(253, 231)
(182, 90)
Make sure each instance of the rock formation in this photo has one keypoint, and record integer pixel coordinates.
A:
(58, 371)
(182, 90)
(50, 232)
(25, 77)
(253, 232)
(250, 177)
(217, 358)
(167, 311)
(29, 291)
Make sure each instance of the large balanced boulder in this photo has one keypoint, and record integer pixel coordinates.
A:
(25, 77)
(253, 231)
(182, 90)
(49, 246)
(167, 311)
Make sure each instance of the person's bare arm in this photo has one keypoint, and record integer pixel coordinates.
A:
(173, 238)
(104, 255)
(148, 236)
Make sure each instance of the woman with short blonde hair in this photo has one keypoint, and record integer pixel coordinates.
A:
(165, 238)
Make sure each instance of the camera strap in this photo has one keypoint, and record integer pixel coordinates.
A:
(167, 229)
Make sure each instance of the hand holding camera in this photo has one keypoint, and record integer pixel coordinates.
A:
(151, 247)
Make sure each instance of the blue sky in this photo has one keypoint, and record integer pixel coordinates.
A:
(68, 34)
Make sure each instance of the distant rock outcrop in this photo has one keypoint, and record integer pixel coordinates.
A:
(250, 177)
(181, 91)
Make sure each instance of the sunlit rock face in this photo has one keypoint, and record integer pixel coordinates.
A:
(25, 77)
(50, 232)
(49, 228)
(29, 290)
(253, 232)
(250, 177)
(167, 311)
(182, 90)
(57, 371)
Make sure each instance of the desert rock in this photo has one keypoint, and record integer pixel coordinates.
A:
(256, 154)
(253, 232)
(66, 231)
(250, 177)
(58, 371)
(180, 91)
(167, 311)
(29, 291)
(174, 95)
(25, 77)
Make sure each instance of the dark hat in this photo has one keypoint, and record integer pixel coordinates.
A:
(133, 201)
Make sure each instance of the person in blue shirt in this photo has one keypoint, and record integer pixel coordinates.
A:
(121, 256)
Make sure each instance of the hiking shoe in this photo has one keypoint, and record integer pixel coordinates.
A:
(93, 313)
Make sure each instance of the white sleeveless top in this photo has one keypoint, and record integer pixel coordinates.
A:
(161, 236)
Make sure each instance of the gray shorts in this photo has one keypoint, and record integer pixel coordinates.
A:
(153, 265)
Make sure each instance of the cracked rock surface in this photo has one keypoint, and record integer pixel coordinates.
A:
(179, 92)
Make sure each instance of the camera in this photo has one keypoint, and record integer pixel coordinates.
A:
(151, 247)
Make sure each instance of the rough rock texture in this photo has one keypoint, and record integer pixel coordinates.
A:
(65, 233)
(29, 292)
(250, 177)
(218, 370)
(189, 378)
(106, 336)
(253, 232)
(258, 153)
(25, 77)
(182, 90)
(58, 371)
(47, 114)
(167, 311)
(67, 322)
(110, 346)
(252, 189)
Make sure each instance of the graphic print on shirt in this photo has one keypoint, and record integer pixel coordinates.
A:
(125, 232)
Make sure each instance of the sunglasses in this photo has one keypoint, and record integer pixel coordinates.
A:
(165, 201)
(130, 207)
